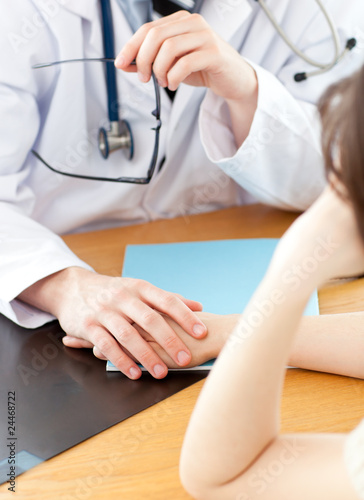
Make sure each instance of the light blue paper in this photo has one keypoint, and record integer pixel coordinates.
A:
(23, 461)
(203, 367)
(222, 275)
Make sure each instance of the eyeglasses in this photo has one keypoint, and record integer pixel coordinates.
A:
(156, 128)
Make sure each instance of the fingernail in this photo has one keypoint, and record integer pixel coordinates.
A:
(159, 370)
(183, 358)
(120, 60)
(198, 330)
(134, 372)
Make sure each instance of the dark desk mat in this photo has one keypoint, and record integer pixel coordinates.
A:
(63, 396)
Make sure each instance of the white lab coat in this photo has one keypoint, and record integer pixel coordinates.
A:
(57, 111)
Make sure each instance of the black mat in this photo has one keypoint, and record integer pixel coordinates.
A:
(63, 396)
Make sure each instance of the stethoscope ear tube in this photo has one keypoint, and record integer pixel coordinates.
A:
(322, 67)
(300, 77)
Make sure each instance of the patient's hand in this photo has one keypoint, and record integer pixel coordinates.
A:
(218, 328)
(321, 244)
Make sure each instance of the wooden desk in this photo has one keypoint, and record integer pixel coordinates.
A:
(138, 458)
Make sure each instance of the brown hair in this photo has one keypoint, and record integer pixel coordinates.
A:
(342, 114)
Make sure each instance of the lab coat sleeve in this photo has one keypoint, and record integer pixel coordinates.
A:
(280, 163)
(28, 251)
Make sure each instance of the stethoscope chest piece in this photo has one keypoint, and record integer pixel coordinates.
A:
(118, 137)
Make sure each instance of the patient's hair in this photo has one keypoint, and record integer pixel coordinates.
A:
(342, 114)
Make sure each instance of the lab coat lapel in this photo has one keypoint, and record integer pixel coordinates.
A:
(225, 17)
(88, 10)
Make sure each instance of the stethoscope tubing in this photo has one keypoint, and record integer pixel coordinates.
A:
(296, 50)
(109, 53)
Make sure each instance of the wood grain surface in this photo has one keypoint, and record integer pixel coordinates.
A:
(138, 458)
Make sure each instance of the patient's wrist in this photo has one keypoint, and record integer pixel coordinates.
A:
(219, 327)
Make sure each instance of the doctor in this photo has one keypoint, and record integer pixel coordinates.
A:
(253, 135)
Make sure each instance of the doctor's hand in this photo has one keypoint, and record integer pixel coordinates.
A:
(182, 48)
(218, 326)
(96, 310)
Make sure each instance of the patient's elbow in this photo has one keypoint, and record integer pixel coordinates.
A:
(194, 484)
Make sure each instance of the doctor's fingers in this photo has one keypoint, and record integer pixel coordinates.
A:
(76, 343)
(224, 72)
(106, 345)
(127, 338)
(98, 354)
(145, 43)
(154, 324)
(130, 50)
(194, 305)
(170, 304)
(194, 28)
(175, 50)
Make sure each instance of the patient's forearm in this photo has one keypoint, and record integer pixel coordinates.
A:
(332, 343)
(248, 374)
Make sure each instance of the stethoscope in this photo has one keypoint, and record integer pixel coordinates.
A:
(119, 134)
(322, 67)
